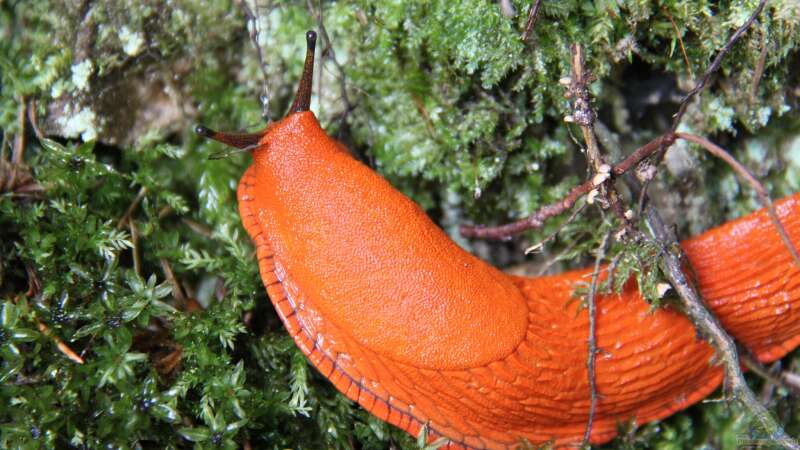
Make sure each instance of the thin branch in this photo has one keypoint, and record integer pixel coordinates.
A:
(778, 380)
(62, 347)
(18, 156)
(198, 228)
(698, 87)
(539, 245)
(592, 341)
(533, 15)
(177, 290)
(538, 218)
(758, 73)
(584, 116)
(680, 41)
(535, 220)
(34, 120)
(582, 112)
(763, 196)
(137, 260)
(791, 379)
(136, 200)
(715, 65)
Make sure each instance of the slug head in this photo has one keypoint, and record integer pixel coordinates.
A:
(302, 103)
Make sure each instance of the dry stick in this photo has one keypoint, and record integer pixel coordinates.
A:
(136, 200)
(62, 347)
(33, 119)
(533, 14)
(763, 196)
(715, 65)
(18, 151)
(583, 115)
(694, 309)
(137, 261)
(680, 41)
(701, 83)
(592, 341)
(536, 219)
(540, 244)
(177, 290)
(198, 228)
(752, 364)
(552, 260)
(759, 72)
(18, 157)
(791, 379)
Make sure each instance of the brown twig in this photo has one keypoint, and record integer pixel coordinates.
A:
(137, 261)
(424, 114)
(538, 218)
(198, 228)
(539, 245)
(592, 340)
(584, 116)
(177, 290)
(533, 15)
(680, 41)
(701, 83)
(10, 170)
(129, 212)
(756, 367)
(791, 379)
(34, 284)
(759, 70)
(763, 196)
(18, 156)
(62, 347)
(34, 120)
(582, 112)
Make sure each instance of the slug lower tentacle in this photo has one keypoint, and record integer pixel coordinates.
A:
(420, 332)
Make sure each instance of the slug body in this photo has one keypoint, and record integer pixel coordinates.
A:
(419, 332)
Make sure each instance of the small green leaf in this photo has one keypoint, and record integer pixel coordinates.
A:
(197, 434)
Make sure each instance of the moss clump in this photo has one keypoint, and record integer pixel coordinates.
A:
(130, 249)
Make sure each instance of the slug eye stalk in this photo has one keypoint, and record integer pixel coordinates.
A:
(302, 102)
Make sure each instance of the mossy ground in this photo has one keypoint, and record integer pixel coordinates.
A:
(179, 341)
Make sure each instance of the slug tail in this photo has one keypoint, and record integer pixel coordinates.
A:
(750, 281)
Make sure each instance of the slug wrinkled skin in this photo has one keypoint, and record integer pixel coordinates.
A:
(420, 332)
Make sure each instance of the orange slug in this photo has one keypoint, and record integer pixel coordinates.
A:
(419, 332)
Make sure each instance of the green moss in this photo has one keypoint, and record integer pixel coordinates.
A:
(446, 101)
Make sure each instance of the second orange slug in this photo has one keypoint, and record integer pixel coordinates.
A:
(420, 332)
